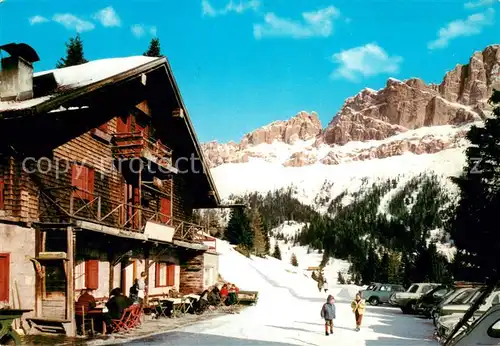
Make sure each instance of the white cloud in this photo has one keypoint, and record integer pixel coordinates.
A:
(479, 3)
(37, 20)
(365, 61)
(208, 10)
(472, 25)
(71, 22)
(108, 17)
(315, 23)
(139, 30)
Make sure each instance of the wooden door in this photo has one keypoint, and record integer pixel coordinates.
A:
(4, 277)
(165, 209)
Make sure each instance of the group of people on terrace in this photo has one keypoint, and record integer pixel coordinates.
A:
(113, 309)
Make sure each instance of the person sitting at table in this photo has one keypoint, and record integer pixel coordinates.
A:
(214, 297)
(85, 302)
(231, 298)
(224, 292)
(116, 304)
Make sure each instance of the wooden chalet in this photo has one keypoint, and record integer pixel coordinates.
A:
(100, 170)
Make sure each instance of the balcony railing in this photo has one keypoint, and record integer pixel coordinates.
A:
(135, 145)
(58, 205)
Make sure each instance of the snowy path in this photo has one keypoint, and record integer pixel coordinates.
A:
(285, 317)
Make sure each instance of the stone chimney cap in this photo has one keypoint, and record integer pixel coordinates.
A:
(21, 50)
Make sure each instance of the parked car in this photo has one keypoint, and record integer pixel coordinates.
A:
(428, 301)
(483, 331)
(377, 293)
(459, 296)
(406, 300)
(451, 314)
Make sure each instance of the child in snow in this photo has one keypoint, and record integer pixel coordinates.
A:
(358, 307)
(328, 314)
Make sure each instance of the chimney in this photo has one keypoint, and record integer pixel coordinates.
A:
(16, 75)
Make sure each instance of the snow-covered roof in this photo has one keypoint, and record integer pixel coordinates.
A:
(73, 77)
(95, 71)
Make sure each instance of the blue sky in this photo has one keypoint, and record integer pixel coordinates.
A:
(243, 64)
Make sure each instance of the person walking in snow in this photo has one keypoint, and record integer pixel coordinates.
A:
(328, 314)
(358, 307)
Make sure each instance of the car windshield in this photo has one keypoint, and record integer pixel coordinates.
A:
(463, 297)
(413, 289)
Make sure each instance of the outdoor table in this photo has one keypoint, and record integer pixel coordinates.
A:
(7, 333)
(177, 305)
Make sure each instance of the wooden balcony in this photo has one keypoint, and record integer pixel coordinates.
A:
(136, 146)
(60, 205)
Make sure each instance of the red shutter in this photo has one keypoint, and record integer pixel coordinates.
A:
(123, 124)
(92, 274)
(157, 274)
(2, 201)
(4, 277)
(171, 275)
(165, 209)
(90, 182)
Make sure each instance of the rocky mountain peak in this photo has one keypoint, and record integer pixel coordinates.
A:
(402, 105)
(303, 126)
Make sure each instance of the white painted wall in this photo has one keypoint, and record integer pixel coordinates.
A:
(19, 243)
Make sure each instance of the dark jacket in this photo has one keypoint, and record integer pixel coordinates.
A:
(116, 305)
(328, 310)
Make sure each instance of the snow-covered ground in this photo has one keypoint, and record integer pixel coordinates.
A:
(288, 313)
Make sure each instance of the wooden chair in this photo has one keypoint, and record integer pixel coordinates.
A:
(122, 323)
(81, 311)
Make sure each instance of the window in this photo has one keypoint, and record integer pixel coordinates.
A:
(426, 289)
(164, 274)
(494, 330)
(92, 274)
(413, 289)
(208, 276)
(165, 209)
(82, 177)
(2, 205)
(123, 124)
(4, 277)
(55, 277)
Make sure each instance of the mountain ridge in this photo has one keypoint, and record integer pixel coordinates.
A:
(375, 115)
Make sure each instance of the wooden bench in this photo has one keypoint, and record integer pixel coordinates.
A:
(247, 297)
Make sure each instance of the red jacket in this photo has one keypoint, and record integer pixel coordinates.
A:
(224, 292)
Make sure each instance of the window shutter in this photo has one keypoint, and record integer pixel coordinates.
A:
(157, 274)
(90, 182)
(92, 274)
(2, 202)
(171, 275)
(123, 124)
(4, 277)
(165, 209)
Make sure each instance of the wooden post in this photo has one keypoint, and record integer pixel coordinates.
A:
(38, 280)
(111, 260)
(146, 269)
(99, 208)
(70, 293)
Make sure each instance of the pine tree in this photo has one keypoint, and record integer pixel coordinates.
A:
(154, 48)
(74, 53)
(277, 251)
(475, 226)
(293, 260)
(383, 275)
(259, 244)
(238, 231)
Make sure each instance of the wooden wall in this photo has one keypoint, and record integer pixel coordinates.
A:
(191, 272)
